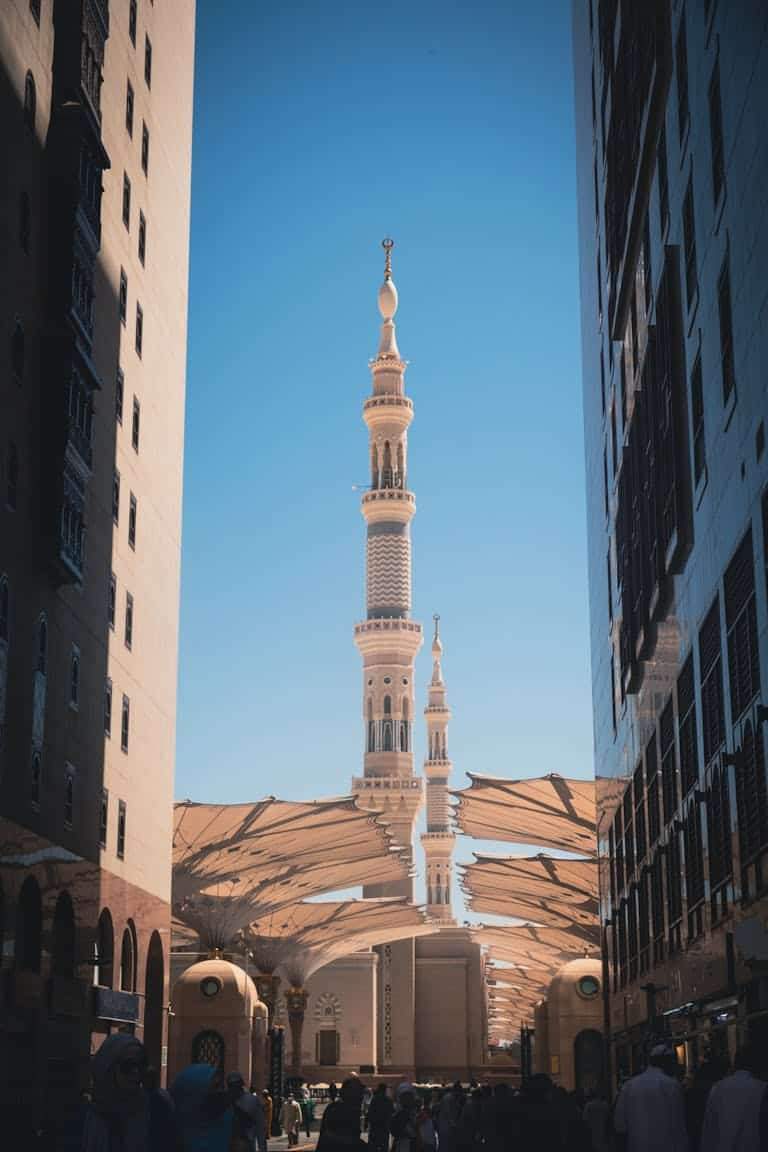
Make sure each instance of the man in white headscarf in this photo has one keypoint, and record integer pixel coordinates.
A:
(650, 1110)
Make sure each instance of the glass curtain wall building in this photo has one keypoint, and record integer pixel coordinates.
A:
(673, 232)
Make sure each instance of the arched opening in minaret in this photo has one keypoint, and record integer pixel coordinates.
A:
(371, 728)
(386, 472)
(405, 725)
(374, 466)
(386, 740)
(400, 478)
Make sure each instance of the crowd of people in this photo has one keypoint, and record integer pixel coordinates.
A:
(713, 1111)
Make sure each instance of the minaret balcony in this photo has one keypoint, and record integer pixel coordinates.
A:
(381, 504)
(387, 635)
(388, 408)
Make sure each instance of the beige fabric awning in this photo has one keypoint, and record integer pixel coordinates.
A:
(550, 811)
(530, 946)
(307, 936)
(547, 891)
(234, 863)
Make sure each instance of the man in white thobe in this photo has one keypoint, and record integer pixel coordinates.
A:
(650, 1111)
(733, 1114)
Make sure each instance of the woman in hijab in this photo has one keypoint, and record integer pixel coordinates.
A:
(118, 1117)
(204, 1113)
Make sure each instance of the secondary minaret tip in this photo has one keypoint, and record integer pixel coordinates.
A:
(388, 349)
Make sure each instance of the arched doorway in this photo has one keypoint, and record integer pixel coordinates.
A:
(63, 949)
(588, 1061)
(105, 950)
(128, 959)
(29, 927)
(154, 986)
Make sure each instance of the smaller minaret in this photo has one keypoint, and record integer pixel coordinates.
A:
(439, 837)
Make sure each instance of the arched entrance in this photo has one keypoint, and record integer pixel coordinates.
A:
(153, 1001)
(63, 941)
(588, 1061)
(29, 927)
(105, 950)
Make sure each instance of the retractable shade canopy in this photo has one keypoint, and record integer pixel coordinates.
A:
(528, 945)
(550, 811)
(547, 891)
(236, 863)
(307, 936)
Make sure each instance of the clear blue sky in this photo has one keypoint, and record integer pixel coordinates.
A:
(320, 127)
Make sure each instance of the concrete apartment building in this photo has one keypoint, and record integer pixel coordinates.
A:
(96, 113)
(673, 225)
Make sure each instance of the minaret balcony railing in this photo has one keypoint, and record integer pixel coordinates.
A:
(396, 624)
(433, 709)
(387, 783)
(437, 762)
(388, 401)
(379, 494)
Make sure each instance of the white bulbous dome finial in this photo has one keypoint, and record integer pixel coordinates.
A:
(388, 292)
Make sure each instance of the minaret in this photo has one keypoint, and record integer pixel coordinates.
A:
(438, 839)
(388, 639)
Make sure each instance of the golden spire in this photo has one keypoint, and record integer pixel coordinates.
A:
(387, 245)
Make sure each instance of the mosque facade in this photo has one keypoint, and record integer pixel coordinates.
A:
(415, 1007)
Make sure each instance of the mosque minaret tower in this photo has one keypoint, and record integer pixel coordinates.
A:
(389, 639)
(438, 840)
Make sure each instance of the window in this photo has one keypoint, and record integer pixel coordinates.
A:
(726, 330)
(716, 135)
(139, 329)
(144, 148)
(681, 64)
(108, 707)
(751, 803)
(42, 647)
(12, 478)
(119, 393)
(34, 7)
(69, 797)
(4, 610)
(25, 220)
(132, 512)
(697, 413)
(103, 817)
(126, 201)
(121, 818)
(686, 725)
(142, 238)
(652, 786)
(689, 240)
(123, 296)
(148, 61)
(719, 839)
(30, 102)
(668, 762)
(741, 625)
(125, 724)
(129, 108)
(661, 165)
(132, 21)
(18, 353)
(135, 424)
(74, 678)
(710, 670)
(641, 841)
(128, 620)
(36, 779)
(116, 497)
(111, 599)
(694, 869)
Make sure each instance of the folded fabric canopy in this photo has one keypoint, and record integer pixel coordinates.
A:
(548, 891)
(552, 811)
(235, 863)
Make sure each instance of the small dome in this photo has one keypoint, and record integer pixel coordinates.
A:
(216, 979)
(388, 299)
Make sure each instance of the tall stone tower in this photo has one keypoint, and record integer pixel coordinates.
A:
(438, 840)
(388, 641)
